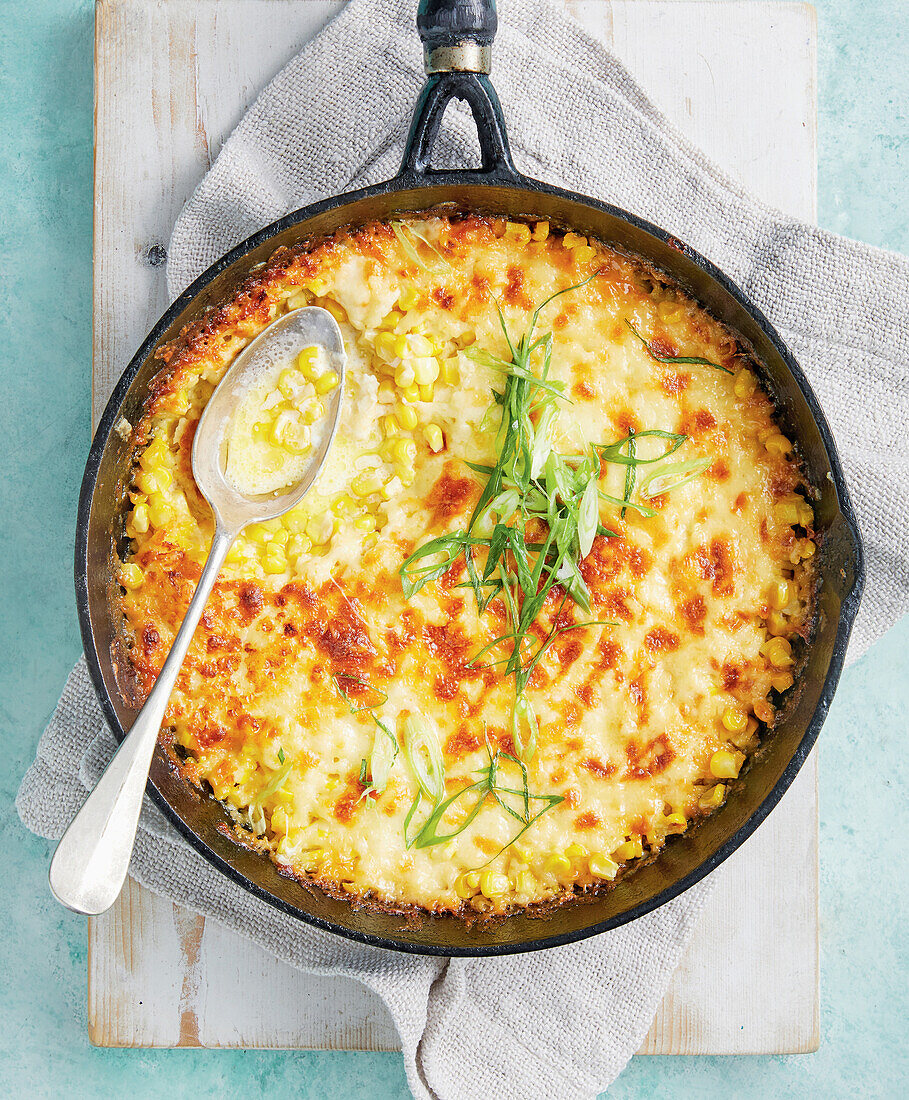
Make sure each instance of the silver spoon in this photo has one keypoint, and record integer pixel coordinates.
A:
(91, 861)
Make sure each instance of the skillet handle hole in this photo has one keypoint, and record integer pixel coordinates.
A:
(478, 93)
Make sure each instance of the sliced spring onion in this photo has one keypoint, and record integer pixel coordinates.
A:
(406, 237)
(525, 727)
(619, 503)
(673, 476)
(421, 745)
(685, 360)
(612, 452)
(383, 756)
(274, 783)
(588, 517)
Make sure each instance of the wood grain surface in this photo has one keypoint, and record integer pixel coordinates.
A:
(173, 77)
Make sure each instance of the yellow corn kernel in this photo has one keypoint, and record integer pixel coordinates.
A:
(306, 362)
(527, 883)
(140, 519)
(321, 528)
(777, 623)
(130, 575)
(601, 866)
(390, 426)
(425, 369)
(411, 394)
(541, 231)
(575, 851)
(313, 412)
(448, 372)
(806, 514)
(778, 652)
(557, 865)
(291, 433)
(463, 889)
(258, 532)
(290, 382)
(279, 820)
(365, 524)
(493, 884)
(155, 454)
(426, 392)
(432, 433)
(713, 798)
(631, 849)
(725, 764)
(326, 382)
(385, 345)
(148, 482)
(807, 548)
(366, 484)
(735, 719)
(298, 300)
(160, 513)
(406, 416)
(745, 384)
(391, 321)
(336, 310)
(787, 512)
(572, 240)
(408, 297)
(778, 444)
(298, 547)
(523, 853)
(386, 393)
(418, 345)
(274, 564)
(676, 821)
(779, 595)
(404, 375)
(583, 253)
(404, 452)
(279, 537)
(517, 231)
(343, 504)
(783, 681)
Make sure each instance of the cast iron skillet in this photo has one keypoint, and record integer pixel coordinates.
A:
(457, 35)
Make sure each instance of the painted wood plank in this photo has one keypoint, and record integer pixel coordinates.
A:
(173, 77)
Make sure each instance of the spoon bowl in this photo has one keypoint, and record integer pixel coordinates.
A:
(301, 328)
(92, 859)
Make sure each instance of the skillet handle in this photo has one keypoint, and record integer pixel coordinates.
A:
(457, 45)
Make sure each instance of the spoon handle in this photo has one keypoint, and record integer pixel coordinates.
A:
(91, 861)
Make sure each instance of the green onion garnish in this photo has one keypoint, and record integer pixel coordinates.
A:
(672, 476)
(690, 360)
(407, 238)
(424, 754)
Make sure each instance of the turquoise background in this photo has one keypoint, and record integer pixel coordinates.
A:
(45, 333)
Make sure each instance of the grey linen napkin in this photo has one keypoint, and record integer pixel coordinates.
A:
(560, 1023)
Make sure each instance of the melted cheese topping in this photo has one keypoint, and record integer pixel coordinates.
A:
(308, 639)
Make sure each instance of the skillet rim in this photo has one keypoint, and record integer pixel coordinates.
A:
(506, 178)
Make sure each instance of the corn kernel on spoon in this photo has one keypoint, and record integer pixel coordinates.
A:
(92, 859)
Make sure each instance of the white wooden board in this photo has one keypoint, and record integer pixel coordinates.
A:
(173, 78)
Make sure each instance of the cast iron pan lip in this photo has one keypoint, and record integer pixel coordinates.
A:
(517, 182)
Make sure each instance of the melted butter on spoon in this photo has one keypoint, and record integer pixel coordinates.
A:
(279, 421)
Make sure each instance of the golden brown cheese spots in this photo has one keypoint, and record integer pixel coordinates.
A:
(450, 496)
(308, 621)
(659, 639)
(648, 760)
